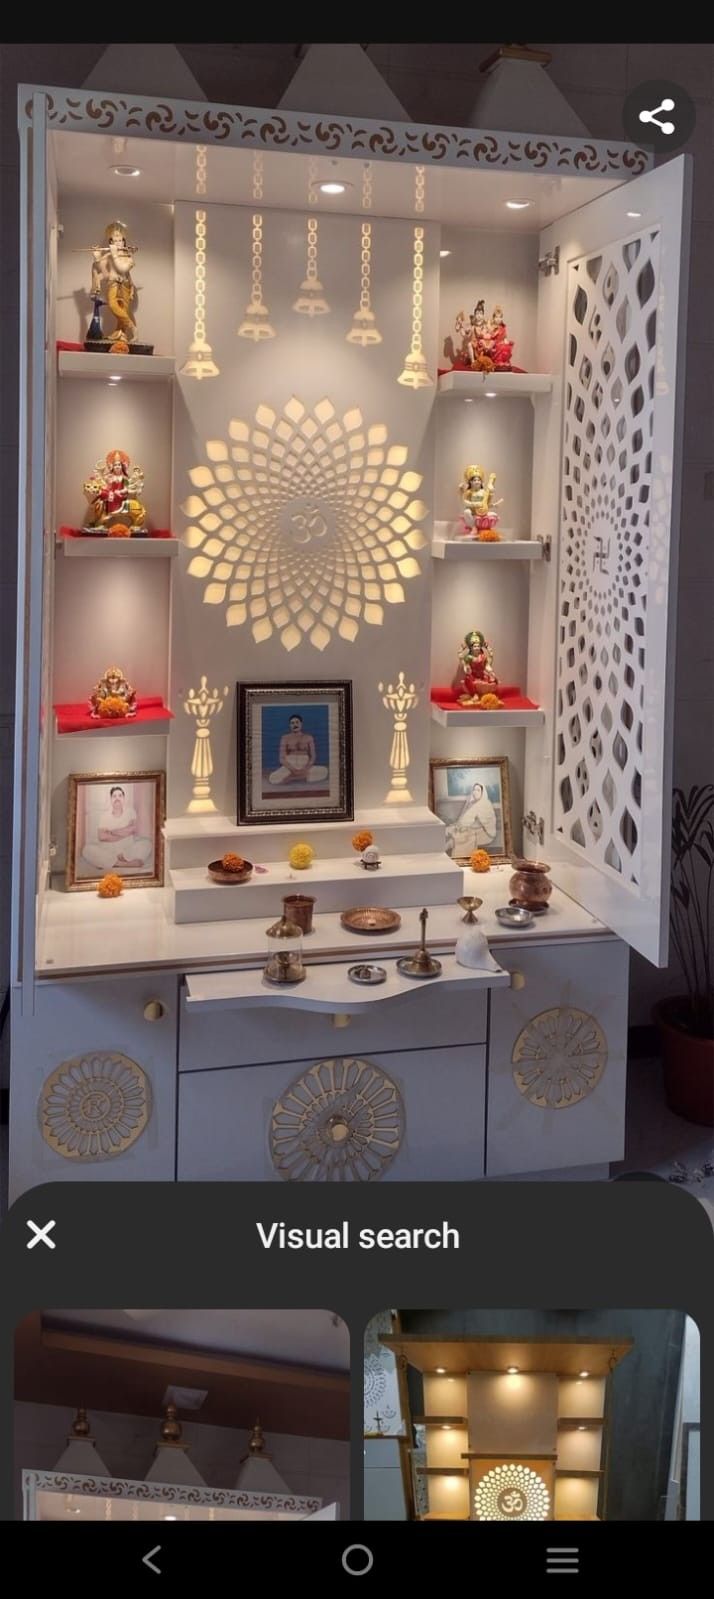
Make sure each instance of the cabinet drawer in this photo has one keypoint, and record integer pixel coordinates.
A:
(245, 1037)
(417, 1114)
(557, 1059)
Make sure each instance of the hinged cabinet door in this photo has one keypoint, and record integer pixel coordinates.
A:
(606, 485)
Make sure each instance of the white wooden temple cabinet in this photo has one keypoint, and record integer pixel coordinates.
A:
(306, 458)
(515, 1429)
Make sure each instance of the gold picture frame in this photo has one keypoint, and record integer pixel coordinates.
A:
(473, 821)
(136, 802)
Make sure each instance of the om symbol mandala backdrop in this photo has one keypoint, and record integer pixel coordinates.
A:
(605, 552)
(511, 1493)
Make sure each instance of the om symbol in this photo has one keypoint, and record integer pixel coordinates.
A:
(512, 1502)
(306, 523)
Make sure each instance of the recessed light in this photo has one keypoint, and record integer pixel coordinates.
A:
(442, 253)
(518, 205)
(583, 1373)
(634, 213)
(332, 187)
(491, 394)
(127, 172)
(440, 1371)
(468, 400)
(446, 1426)
(582, 1427)
(169, 1518)
(512, 1371)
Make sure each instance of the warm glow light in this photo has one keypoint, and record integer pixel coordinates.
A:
(491, 394)
(446, 1426)
(444, 253)
(518, 205)
(469, 400)
(440, 1371)
(512, 1371)
(127, 172)
(582, 1428)
(169, 1518)
(203, 706)
(399, 698)
(634, 213)
(332, 188)
(583, 1373)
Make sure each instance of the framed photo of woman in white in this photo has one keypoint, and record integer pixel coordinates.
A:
(472, 798)
(114, 825)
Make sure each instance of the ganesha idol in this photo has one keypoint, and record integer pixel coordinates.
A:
(113, 490)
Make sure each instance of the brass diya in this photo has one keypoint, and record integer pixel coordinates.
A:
(422, 964)
(217, 871)
(370, 919)
(470, 903)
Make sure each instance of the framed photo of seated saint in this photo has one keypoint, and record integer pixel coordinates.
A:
(472, 798)
(114, 828)
(295, 752)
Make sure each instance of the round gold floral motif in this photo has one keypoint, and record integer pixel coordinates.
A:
(94, 1106)
(511, 1493)
(340, 1121)
(304, 524)
(559, 1057)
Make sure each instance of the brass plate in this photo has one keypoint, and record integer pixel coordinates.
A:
(218, 875)
(370, 919)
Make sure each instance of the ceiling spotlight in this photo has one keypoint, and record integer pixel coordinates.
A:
(518, 205)
(169, 1518)
(440, 1371)
(512, 1371)
(446, 1426)
(332, 188)
(442, 253)
(634, 213)
(583, 1373)
(582, 1427)
(468, 400)
(490, 394)
(127, 172)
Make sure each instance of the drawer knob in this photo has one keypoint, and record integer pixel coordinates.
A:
(341, 1018)
(517, 980)
(154, 1009)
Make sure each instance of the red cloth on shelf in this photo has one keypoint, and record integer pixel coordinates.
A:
(77, 719)
(76, 533)
(447, 699)
(68, 344)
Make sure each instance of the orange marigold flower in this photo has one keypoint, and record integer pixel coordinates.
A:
(362, 840)
(489, 536)
(113, 705)
(110, 887)
(480, 861)
(490, 702)
(119, 530)
(232, 862)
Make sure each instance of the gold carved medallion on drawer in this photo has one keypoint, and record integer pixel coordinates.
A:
(341, 1121)
(94, 1106)
(559, 1057)
(511, 1493)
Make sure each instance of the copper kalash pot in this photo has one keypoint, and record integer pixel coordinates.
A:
(529, 885)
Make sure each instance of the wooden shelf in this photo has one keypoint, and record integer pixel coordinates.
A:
(466, 549)
(101, 364)
(542, 1454)
(440, 1421)
(506, 385)
(566, 1422)
(119, 549)
(562, 1471)
(473, 718)
(448, 1471)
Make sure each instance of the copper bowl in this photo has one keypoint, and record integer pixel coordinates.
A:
(370, 919)
(218, 873)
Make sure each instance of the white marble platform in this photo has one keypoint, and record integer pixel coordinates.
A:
(397, 830)
(328, 988)
(336, 885)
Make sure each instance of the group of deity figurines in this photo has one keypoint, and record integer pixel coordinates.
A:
(481, 343)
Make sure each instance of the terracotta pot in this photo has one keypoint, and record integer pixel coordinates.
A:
(299, 908)
(529, 885)
(688, 1065)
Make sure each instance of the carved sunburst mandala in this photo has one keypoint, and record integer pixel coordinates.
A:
(559, 1057)
(94, 1106)
(340, 1121)
(304, 524)
(511, 1493)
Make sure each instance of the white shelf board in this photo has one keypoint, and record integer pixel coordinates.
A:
(98, 364)
(328, 988)
(336, 885)
(465, 549)
(397, 830)
(121, 549)
(81, 933)
(475, 718)
(506, 385)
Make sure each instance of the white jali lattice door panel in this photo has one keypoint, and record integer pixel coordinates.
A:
(611, 321)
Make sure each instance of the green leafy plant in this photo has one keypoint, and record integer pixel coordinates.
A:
(692, 907)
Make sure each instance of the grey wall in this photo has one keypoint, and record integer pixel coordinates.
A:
(313, 1466)
(643, 1391)
(436, 83)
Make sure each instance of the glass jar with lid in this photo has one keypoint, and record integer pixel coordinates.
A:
(284, 962)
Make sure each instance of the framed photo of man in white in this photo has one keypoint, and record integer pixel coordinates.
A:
(295, 752)
(472, 798)
(114, 825)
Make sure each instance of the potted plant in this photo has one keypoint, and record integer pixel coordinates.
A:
(686, 1021)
